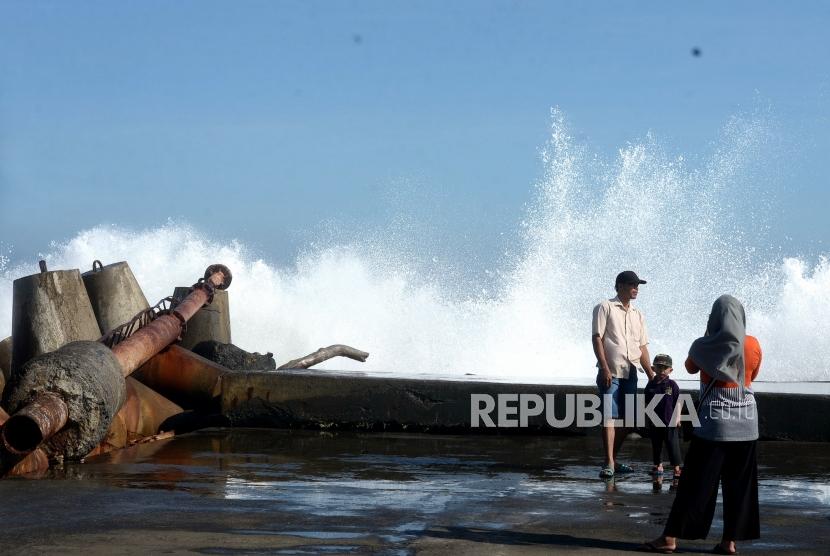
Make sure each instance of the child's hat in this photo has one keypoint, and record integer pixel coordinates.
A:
(662, 359)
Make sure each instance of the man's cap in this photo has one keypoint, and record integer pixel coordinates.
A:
(662, 359)
(628, 277)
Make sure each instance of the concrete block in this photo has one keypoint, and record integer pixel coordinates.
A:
(212, 322)
(114, 294)
(49, 310)
(6, 357)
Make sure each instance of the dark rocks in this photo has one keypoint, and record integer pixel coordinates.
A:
(235, 358)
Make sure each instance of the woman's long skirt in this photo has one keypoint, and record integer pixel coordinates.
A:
(708, 463)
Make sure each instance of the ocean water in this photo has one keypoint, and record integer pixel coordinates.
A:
(693, 230)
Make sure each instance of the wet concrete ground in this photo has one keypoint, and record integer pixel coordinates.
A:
(255, 491)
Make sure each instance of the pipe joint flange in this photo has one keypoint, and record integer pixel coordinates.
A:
(182, 322)
(206, 287)
(214, 268)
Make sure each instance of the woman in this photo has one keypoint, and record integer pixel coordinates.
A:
(723, 448)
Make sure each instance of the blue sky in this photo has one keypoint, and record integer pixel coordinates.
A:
(266, 121)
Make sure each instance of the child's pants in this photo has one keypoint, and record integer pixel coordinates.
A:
(671, 437)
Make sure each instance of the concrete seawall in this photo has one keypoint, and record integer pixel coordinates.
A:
(353, 401)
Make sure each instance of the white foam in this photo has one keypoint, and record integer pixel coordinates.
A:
(693, 233)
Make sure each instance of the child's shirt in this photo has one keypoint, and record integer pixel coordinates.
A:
(665, 407)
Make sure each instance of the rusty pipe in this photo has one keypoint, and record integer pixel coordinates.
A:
(163, 331)
(40, 419)
(184, 377)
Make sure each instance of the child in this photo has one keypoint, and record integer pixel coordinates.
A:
(662, 384)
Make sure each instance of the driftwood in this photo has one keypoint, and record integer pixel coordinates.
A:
(325, 353)
(159, 436)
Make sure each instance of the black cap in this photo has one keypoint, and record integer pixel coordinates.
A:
(628, 277)
(662, 359)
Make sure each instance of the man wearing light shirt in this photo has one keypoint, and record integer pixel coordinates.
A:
(620, 342)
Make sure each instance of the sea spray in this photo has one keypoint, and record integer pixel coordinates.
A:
(693, 233)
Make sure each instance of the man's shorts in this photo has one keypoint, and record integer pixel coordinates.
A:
(618, 390)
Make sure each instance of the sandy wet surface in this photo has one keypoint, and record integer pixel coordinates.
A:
(254, 491)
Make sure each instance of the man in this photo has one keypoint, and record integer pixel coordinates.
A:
(620, 341)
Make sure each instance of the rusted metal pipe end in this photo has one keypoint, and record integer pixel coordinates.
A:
(23, 436)
(213, 269)
(35, 423)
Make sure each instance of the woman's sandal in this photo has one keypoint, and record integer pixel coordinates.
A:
(651, 547)
(721, 550)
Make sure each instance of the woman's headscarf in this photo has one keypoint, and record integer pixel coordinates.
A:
(721, 352)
